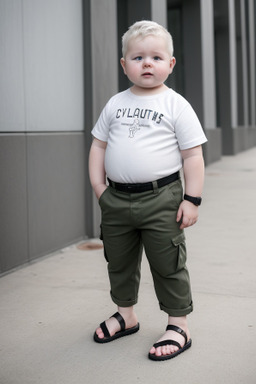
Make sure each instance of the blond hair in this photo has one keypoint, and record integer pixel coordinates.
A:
(144, 28)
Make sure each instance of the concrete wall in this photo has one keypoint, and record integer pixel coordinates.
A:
(233, 59)
(42, 151)
(41, 66)
(42, 182)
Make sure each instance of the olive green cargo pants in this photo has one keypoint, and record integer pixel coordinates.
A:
(133, 220)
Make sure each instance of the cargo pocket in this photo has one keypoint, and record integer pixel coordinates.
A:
(101, 238)
(179, 242)
(102, 196)
(176, 193)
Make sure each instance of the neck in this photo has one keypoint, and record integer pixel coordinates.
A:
(148, 91)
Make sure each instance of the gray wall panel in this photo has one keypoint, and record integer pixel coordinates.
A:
(56, 191)
(41, 77)
(42, 176)
(13, 202)
(12, 102)
(53, 57)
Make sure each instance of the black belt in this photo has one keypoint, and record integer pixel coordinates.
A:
(143, 187)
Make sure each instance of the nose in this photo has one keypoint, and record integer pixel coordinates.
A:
(147, 62)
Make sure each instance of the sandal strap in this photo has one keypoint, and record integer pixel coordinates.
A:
(167, 342)
(104, 329)
(178, 330)
(120, 320)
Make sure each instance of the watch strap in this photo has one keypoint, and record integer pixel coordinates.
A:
(195, 200)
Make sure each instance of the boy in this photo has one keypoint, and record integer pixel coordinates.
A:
(142, 138)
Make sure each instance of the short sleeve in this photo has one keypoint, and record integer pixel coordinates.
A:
(188, 129)
(101, 128)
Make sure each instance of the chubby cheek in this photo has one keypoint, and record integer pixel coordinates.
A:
(163, 72)
(132, 70)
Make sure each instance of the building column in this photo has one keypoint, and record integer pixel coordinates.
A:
(226, 72)
(104, 63)
(199, 70)
(213, 147)
(244, 54)
(236, 86)
(159, 12)
(252, 15)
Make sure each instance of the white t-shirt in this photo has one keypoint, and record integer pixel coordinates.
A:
(145, 134)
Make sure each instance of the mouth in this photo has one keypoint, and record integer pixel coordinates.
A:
(147, 74)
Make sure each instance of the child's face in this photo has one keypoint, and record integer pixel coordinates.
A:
(147, 63)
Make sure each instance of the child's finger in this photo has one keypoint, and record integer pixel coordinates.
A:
(179, 215)
(185, 223)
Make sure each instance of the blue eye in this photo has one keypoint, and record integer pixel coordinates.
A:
(157, 58)
(138, 58)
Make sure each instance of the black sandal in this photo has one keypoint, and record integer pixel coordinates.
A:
(121, 333)
(187, 345)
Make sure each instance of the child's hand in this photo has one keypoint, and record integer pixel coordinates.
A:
(187, 214)
(99, 190)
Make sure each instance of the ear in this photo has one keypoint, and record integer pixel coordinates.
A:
(172, 64)
(122, 61)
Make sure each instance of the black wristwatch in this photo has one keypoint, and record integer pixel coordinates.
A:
(195, 200)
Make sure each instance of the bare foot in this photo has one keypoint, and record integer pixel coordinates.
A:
(113, 325)
(165, 350)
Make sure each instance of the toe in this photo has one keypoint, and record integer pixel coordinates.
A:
(164, 351)
(158, 351)
(152, 351)
(173, 349)
(99, 333)
(168, 350)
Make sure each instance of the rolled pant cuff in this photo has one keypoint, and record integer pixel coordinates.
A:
(177, 312)
(123, 304)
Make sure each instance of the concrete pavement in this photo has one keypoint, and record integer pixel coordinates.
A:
(50, 308)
